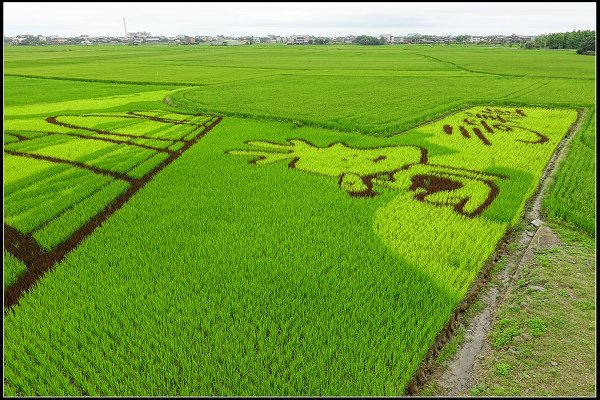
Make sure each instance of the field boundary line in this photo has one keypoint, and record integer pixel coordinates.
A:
(76, 164)
(527, 89)
(501, 74)
(114, 81)
(90, 137)
(181, 102)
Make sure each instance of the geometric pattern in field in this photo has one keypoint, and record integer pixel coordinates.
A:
(66, 174)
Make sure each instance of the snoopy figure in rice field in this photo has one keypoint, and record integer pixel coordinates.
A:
(403, 167)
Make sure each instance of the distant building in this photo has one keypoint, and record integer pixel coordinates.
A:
(266, 40)
(388, 38)
(142, 35)
(276, 39)
(226, 42)
(299, 39)
(349, 39)
(183, 39)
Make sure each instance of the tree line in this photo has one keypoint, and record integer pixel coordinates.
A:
(583, 41)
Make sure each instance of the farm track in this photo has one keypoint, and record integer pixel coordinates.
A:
(527, 89)
(466, 363)
(38, 262)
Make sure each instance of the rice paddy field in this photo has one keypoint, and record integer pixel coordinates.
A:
(268, 220)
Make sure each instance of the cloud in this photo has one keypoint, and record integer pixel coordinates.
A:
(72, 19)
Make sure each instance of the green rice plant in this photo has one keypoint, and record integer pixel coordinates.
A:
(28, 91)
(28, 208)
(83, 105)
(61, 227)
(8, 138)
(158, 144)
(148, 165)
(28, 134)
(224, 277)
(105, 155)
(13, 268)
(33, 125)
(572, 196)
(21, 172)
(120, 158)
(301, 275)
(176, 146)
(39, 143)
(176, 132)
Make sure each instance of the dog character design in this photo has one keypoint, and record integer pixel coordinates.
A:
(360, 171)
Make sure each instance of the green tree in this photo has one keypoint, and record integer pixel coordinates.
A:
(589, 44)
(565, 40)
(532, 44)
(368, 40)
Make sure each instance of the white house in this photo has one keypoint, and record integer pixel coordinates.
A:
(299, 39)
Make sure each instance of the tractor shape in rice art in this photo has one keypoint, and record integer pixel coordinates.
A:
(360, 170)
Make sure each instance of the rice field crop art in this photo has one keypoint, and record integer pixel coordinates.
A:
(317, 240)
(358, 169)
(68, 173)
(270, 258)
(458, 189)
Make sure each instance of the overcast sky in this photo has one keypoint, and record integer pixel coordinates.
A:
(319, 19)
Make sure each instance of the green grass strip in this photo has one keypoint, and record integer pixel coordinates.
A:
(572, 197)
(61, 228)
(12, 269)
(147, 165)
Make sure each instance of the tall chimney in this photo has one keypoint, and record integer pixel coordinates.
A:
(125, 27)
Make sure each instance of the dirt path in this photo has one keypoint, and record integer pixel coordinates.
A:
(456, 378)
(461, 372)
